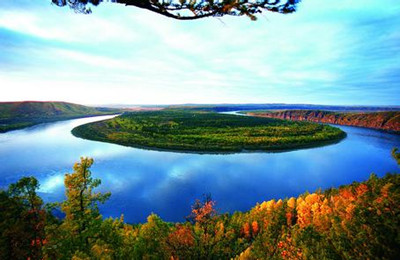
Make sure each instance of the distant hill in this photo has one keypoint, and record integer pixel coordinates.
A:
(386, 120)
(277, 106)
(15, 115)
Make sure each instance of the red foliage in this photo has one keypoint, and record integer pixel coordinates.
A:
(182, 236)
(255, 228)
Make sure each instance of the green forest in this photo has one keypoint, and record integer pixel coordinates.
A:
(207, 132)
(356, 221)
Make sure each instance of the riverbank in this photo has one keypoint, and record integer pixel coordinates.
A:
(11, 127)
(386, 121)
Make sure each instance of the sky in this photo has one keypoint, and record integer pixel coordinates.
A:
(343, 52)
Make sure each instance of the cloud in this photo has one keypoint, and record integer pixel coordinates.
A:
(341, 52)
(53, 23)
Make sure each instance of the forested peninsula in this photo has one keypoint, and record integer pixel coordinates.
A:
(385, 120)
(17, 115)
(356, 221)
(207, 132)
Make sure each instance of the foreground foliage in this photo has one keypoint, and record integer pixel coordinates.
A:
(207, 132)
(357, 221)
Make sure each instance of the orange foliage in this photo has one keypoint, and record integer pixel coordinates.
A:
(246, 230)
(182, 236)
(291, 203)
(306, 208)
(267, 206)
(204, 212)
(314, 209)
(288, 249)
(289, 218)
(361, 189)
(254, 226)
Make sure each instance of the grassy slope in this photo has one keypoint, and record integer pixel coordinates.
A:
(207, 132)
(16, 115)
(387, 120)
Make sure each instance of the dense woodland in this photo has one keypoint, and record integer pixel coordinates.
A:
(207, 132)
(357, 221)
(16, 115)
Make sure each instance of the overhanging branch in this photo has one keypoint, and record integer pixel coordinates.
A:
(193, 9)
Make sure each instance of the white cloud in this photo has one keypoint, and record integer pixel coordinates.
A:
(122, 54)
(54, 23)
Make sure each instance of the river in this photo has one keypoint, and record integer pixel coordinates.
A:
(167, 183)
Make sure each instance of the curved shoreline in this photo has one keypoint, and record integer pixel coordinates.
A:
(172, 148)
(243, 151)
(31, 124)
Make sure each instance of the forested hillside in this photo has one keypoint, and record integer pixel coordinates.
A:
(357, 221)
(387, 120)
(15, 115)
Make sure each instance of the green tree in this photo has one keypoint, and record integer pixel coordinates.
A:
(193, 9)
(80, 228)
(151, 241)
(396, 155)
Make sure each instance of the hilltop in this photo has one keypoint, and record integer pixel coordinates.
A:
(16, 115)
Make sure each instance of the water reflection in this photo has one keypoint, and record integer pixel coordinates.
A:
(143, 181)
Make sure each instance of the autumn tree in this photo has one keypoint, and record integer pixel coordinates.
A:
(202, 211)
(80, 228)
(22, 221)
(193, 9)
(181, 242)
(206, 227)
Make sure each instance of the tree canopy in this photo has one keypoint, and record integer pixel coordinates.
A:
(355, 221)
(192, 9)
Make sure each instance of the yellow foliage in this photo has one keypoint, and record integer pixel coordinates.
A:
(278, 204)
(291, 203)
(267, 205)
(245, 255)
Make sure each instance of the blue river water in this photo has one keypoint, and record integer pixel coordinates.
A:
(167, 183)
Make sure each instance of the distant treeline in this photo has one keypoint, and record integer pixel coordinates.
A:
(388, 120)
(196, 131)
(16, 115)
(357, 221)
